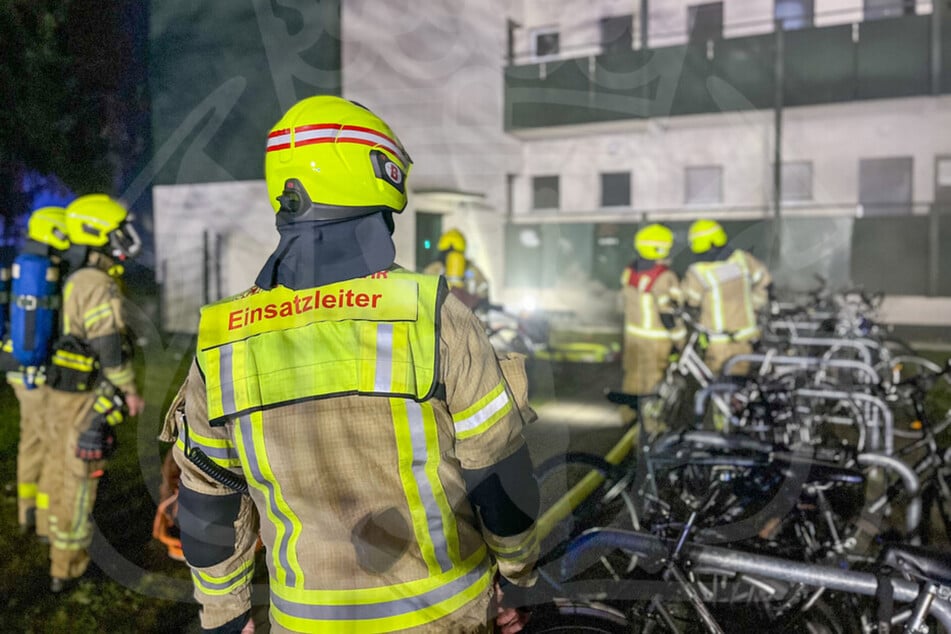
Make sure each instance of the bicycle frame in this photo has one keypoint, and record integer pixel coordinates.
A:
(652, 548)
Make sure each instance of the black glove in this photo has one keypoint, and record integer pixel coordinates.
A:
(98, 442)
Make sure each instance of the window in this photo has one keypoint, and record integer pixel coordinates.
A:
(704, 185)
(885, 186)
(876, 9)
(796, 181)
(545, 192)
(705, 21)
(545, 43)
(616, 189)
(795, 14)
(616, 33)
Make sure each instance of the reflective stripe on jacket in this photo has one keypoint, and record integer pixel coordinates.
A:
(724, 291)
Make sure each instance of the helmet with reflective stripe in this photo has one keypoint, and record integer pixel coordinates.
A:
(332, 159)
(452, 240)
(102, 223)
(706, 234)
(47, 225)
(654, 242)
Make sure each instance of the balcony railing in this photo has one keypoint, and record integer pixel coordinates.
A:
(886, 58)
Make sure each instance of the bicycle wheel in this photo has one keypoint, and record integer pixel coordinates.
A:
(576, 618)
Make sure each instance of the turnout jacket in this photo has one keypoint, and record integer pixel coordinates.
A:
(647, 296)
(92, 312)
(728, 293)
(352, 411)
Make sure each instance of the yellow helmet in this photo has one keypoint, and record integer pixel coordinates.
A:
(654, 242)
(102, 223)
(329, 158)
(47, 225)
(452, 240)
(706, 234)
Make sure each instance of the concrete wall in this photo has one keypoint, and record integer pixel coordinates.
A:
(239, 223)
(436, 77)
(834, 138)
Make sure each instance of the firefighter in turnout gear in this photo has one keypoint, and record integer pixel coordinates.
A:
(465, 279)
(46, 238)
(728, 286)
(91, 375)
(651, 294)
(354, 411)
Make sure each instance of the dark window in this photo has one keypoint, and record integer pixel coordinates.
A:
(876, 9)
(795, 14)
(545, 43)
(616, 189)
(616, 33)
(885, 186)
(545, 192)
(705, 21)
(704, 185)
(797, 181)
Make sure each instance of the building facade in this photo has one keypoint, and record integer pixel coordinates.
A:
(548, 130)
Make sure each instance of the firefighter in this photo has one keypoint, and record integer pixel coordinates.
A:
(651, 294)
(46, 238)
(728, 286)
(465, 279)
(91, 375)
(378, 441)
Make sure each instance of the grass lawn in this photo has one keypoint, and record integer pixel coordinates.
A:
(132, 586)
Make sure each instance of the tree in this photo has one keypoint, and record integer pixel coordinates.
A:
(50, 123)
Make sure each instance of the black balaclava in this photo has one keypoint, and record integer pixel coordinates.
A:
(318, 252)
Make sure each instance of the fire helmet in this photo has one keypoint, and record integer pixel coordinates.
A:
(47, 225)
(654, 242)
(452, 240)
(706, 234)
(329, 158)
(102, 223)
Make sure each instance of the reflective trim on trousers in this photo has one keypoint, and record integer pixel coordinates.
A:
(215, 586)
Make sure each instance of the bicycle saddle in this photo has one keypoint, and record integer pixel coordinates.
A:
(922, 563)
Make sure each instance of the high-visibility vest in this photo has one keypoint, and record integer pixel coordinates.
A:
(370, 336)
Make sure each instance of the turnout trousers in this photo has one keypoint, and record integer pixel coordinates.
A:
(33, 463)
(73, 485)
(645, 363)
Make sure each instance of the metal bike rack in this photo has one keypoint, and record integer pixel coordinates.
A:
(653, 548)
(804, 362)
(834, 343)
(873, 403)
(908, 476)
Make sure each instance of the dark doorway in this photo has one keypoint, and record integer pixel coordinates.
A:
(428, 230)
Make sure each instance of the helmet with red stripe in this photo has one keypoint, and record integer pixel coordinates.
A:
(329, 158)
